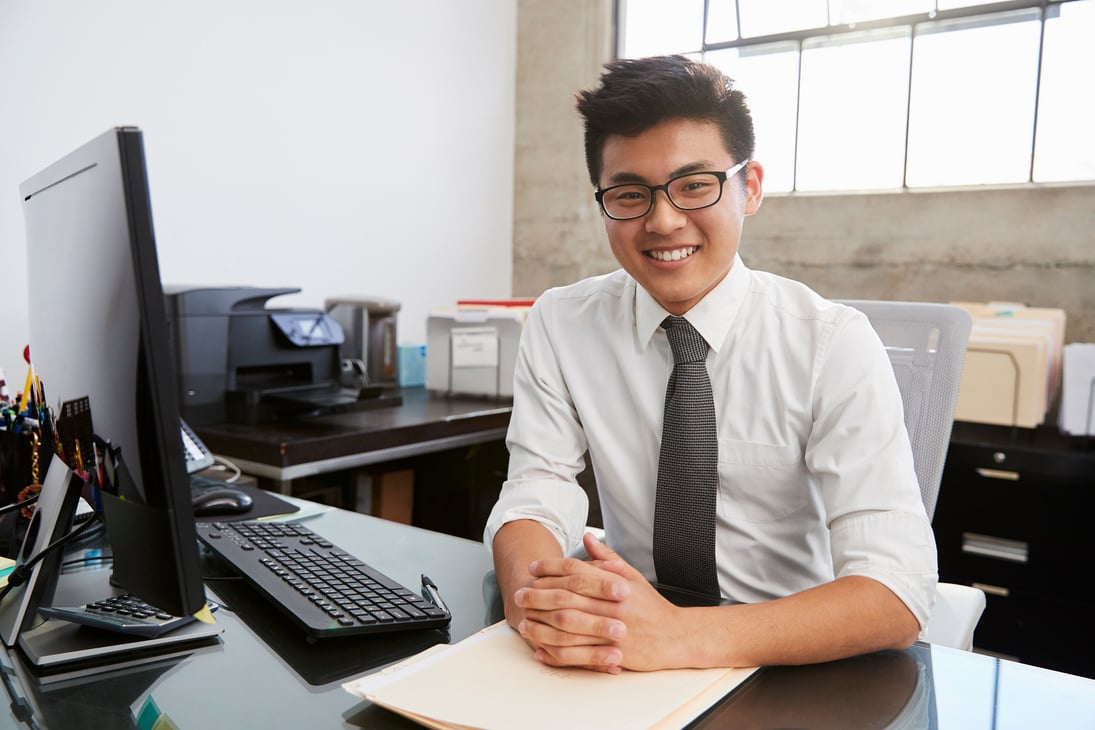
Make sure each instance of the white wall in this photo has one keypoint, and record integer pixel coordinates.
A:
(338, 146)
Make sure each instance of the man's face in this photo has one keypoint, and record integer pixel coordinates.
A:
(678, 256)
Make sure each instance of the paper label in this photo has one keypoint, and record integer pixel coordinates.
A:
(474, 347)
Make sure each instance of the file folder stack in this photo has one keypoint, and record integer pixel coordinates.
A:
(1012, 373)
(1077, 416)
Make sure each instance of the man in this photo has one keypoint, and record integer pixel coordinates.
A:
(820, 544)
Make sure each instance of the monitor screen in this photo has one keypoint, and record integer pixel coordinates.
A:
(98, 330)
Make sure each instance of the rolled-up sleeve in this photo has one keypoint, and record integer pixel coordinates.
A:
(558, 506)
(897, 549)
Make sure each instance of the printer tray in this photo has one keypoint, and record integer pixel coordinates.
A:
(258, 406)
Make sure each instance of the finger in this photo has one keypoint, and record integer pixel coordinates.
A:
(597, 550)
(582, 577)
(571, 628)
(547, 598)
(559, 567)
(599, 585)
(603, 556)
(598, 659)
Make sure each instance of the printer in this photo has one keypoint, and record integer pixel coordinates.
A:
(239, 361)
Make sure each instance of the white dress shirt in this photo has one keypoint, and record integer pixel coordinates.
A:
(816, 476)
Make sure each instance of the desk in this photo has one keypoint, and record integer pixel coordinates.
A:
(425, 423)
(263, 674)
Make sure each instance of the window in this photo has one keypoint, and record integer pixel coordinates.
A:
(865, 95)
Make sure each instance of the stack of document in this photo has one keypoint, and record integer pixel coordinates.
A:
(491, 680)
(1077, 416)
(1012, 373)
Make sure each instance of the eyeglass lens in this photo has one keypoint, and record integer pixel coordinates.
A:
(688, 193)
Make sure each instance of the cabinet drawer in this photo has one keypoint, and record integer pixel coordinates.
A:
(1029, 532)
(1040, 630)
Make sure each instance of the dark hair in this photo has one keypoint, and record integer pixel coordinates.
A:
(637, 94)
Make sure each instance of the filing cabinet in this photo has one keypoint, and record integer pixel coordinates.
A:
(1015, 517)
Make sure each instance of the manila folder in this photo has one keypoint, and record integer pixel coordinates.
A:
(491, 680)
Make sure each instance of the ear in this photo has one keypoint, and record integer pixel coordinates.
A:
(754, 188)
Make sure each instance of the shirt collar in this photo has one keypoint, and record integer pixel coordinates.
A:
(712, 316)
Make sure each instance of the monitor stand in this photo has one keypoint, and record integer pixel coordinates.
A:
(51, 520)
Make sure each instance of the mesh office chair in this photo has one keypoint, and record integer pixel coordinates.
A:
(926, 343)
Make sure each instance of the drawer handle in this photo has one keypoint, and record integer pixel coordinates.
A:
(1000, 548)
(1011, 476)
(994, 590)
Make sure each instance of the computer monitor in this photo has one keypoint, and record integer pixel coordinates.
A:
(98, 329)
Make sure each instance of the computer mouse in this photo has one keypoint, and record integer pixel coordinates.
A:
(220, 501)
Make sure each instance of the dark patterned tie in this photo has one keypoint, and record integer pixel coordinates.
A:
(688, 479)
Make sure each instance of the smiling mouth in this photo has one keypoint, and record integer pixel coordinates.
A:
(676, 254)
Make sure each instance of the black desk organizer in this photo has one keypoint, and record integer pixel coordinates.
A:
(1015, 517)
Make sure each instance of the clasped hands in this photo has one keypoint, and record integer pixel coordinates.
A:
(600, 614)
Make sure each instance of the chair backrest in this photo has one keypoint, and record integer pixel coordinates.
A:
(926, 343)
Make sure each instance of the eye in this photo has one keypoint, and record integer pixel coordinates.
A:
(696, 185)
(627, 195)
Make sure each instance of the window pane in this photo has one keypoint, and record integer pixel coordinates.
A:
(1065, 149)
(852, 122)
(951, 4)
(655, 27)
(764, 17)
(855, 11)
(722, 21)
(768, 76)
(972, 112)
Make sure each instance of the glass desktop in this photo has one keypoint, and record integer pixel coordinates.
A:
(263, 673)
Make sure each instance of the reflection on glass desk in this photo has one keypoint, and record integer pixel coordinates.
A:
(263, 673)
(921, 687)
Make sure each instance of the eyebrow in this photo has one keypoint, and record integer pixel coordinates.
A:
(624, 177)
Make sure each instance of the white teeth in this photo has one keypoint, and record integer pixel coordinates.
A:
(674, 255)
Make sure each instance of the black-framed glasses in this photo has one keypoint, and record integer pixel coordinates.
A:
(687, 192)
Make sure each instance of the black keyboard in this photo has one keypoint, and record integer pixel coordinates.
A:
(319, 586)
(125, 614)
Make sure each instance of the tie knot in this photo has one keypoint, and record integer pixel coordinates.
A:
(688, 345)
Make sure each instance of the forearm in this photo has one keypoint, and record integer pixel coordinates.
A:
(608, 601)
(516, 545)
(846, 617)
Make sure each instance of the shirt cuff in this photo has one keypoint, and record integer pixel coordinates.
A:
(561, 507)
(897, 549)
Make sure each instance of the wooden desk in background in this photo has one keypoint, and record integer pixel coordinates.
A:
(371, 442)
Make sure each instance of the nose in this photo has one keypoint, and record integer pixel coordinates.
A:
(664, 217)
